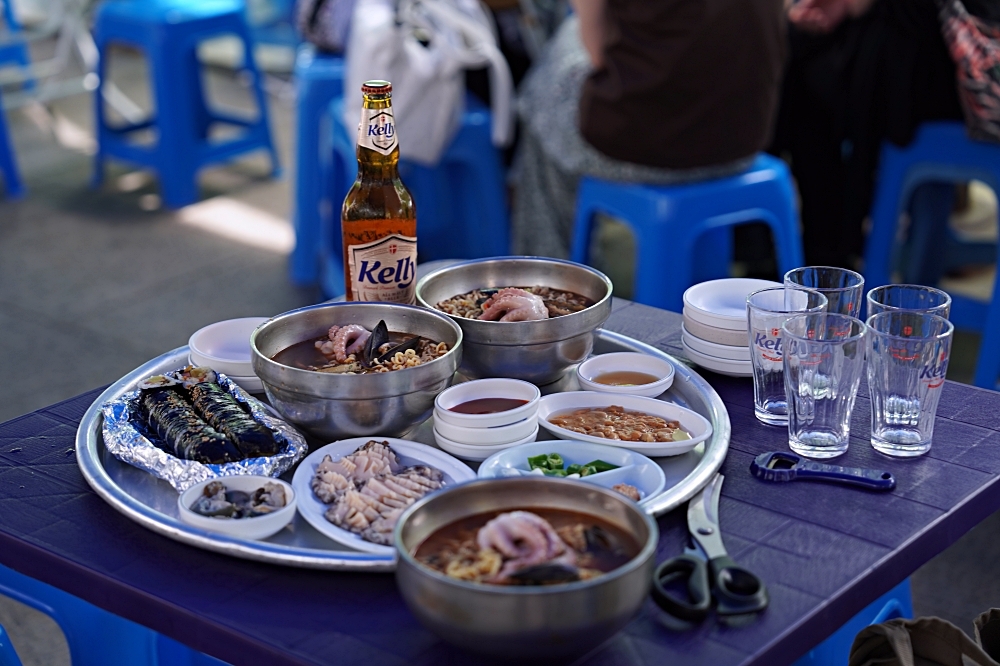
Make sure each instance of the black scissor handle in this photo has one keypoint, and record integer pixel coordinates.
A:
(689, 569)
(737, 590)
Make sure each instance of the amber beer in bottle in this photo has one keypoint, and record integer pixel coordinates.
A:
(378, 218)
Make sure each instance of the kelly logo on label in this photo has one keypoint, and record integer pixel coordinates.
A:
(378, 131)
(769, 347)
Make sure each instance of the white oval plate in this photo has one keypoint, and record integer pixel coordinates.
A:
(634, 468)
(409, 453)
(693, 423)
(728, 352)
(723, 303)
(719, 365)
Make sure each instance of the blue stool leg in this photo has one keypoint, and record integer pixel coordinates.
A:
(885, 218)
(308, 180)
(930, 208)
(714, 250)
(264, 125)
(8, 657)
(12, 179)
(176, 103)
(988, 364)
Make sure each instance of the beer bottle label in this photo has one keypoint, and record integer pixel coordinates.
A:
(377, 130)
(384, 270)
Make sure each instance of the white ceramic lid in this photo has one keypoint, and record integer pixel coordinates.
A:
(723, 303)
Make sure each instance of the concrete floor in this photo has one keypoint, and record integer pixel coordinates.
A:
(95, 283)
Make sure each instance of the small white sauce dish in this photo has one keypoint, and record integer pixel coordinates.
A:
(256, 527)
(694, 424)
(225, 346)
(487, 388)
(478, 452)
(514, 432)
(634, 468)
(590, 370)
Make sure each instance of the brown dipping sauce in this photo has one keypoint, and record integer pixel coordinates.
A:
(625, 378)
(487, 405)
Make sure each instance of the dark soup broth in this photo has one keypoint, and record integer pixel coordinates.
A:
(590, 547)
(487, 405)
(398, 351)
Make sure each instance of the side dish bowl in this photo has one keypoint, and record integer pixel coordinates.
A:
(592, 369)
(487, 388)
(256, 527)
(536, 351)
(337, 406)
(514, 621)
(225, 346)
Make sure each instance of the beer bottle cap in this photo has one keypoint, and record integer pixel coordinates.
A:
(376, 87)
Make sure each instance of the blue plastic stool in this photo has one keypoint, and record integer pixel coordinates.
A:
(319, 79)
(95, 636)
(8, 167)
(8, 657)
(834, 651)
(169, 31)
(15, 52)
(912, 177)
(682, 231)
(461, 202)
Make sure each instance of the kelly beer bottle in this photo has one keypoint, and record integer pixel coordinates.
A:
(378, 218)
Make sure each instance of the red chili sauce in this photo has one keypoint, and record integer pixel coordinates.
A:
(487, 405)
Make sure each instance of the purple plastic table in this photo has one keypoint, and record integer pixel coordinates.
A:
(824, 551)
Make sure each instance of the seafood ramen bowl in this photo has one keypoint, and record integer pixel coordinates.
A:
(573, 300)
(542, 610)
(370, 391)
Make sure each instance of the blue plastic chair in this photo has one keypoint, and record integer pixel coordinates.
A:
(95, 636)
(683, 231)
(461, 202)
(8, 657)
(319, 79)
(16, 50)
(835, 650)
(169, 31)
(8, 167)
(920, 177)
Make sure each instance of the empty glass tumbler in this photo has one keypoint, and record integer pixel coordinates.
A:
(912, 297)
(824, 359)
(843, 288)
(767, 310)
(907, 361)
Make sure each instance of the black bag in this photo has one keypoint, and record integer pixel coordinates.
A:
(325, 23)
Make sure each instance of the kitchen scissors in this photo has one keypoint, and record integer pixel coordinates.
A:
(706, 569)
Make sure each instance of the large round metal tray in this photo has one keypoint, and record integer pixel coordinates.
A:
(153, 503)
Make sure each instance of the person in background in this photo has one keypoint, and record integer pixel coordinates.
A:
(859, 72)
(632, 90)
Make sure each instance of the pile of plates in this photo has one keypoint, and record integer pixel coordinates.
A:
(715, 324)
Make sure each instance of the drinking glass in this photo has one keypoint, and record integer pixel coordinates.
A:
(824, 358)
(767, 310)
(843, 288)
(907, 362)
(913, 297)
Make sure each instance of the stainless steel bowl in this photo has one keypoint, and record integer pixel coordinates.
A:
(539, 622)
(536, 351)
(334, 406)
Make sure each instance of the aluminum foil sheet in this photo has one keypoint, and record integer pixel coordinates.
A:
(125, 442)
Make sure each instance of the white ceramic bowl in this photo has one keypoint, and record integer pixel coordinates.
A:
(634, 468)
(694, 424)
(595, 366)
(729, 352)
(487, 388)
(486, 436)
(258, 527)
(720, 365)
(723, 303)
(225, 346)
(478, 453)
(719, 336)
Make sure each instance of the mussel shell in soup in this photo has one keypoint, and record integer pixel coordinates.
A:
(595, 547)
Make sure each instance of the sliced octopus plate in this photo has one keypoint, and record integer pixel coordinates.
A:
(410, 455)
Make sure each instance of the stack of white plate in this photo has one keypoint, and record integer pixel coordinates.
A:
(715, 324)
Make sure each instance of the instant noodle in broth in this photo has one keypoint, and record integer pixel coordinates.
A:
(539, 546)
